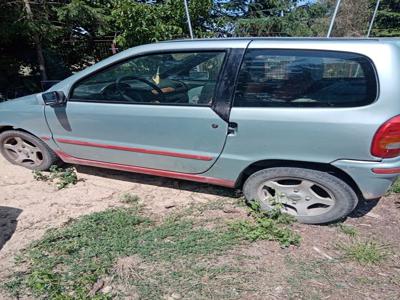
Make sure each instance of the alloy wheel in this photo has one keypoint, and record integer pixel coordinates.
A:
(22, 152)
(297, 197)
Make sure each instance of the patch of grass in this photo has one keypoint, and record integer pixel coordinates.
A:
(176, 254)
(189, 278)
(129, 198)
(67, 261)
(395, 188)
(308, 277)
(13, 285)
(314, 279)
(364, 252)
(270, 225)
(347, 229)
(62, 177)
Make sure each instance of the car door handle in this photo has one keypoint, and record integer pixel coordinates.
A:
(232, 128)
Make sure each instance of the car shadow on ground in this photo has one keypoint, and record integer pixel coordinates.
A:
(8, 223)
(160, 181)
(363, 207)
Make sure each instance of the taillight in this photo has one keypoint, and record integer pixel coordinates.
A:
(386, 142)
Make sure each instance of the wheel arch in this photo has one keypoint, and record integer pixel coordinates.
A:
(324, 167)
(4, 128)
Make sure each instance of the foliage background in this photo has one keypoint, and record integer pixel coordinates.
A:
(72, 34)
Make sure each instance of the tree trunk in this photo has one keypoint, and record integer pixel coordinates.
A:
(38, 43)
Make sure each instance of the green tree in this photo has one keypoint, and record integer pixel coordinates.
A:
(281, 18)
(388, 19)
(141, 23)
(78, 23)
(16, 50)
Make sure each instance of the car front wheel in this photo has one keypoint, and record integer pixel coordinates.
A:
(313, 197)
(23, 149)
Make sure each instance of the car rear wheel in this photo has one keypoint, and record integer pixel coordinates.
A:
(313, 197)
(26, 150)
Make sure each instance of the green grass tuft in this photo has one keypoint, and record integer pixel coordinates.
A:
(129, 198)
(364, 252)
(347, 229)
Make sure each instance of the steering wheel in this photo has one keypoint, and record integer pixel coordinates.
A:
(111, 89)
(120, 87)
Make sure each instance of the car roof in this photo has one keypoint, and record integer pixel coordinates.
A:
(288, 39)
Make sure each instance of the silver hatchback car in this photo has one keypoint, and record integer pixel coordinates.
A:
(311, 124)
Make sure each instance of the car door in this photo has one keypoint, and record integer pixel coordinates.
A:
(153, 111)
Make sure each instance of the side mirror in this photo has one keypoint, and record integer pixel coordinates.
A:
(56, 98)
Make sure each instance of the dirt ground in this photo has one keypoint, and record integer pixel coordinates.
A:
(28, 208)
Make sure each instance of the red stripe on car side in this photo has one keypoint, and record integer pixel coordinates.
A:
(45, 138)
(386, 171)
(192, 177)
(138, 150)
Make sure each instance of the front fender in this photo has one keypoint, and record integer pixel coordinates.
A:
(26, 113)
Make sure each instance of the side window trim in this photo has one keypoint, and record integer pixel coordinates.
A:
(226, 51)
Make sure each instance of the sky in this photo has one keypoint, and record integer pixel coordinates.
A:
(306, 1)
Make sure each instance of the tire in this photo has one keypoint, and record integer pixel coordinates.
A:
(23, 149)
(313, 197)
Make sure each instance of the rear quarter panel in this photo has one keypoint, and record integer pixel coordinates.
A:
(321, 135)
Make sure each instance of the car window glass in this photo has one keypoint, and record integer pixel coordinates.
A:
(299, 78)
(168, 78)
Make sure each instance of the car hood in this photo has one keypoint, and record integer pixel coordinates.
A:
(21, 102)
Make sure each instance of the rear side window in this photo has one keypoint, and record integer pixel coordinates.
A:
(305, 78)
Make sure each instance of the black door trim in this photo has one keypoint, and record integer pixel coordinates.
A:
(225, 88)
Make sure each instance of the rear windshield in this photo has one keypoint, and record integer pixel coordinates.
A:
(303, 78)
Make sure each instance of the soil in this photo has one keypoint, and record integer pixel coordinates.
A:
(28, 208)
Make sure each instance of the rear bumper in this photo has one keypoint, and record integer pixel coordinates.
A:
(372, 178)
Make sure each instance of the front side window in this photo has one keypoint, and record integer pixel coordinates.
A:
(168, 78)
(302, 78)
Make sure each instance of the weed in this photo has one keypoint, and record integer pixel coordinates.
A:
(13, 285)
(349, 230)
(39, 176)
(364, 252)
(267, 225)
(266, 229)
(395, 188)
(62, 177)
(128, 198)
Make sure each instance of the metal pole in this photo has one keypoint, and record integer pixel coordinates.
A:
(333, 18)
(188, 19)
(371, 25)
